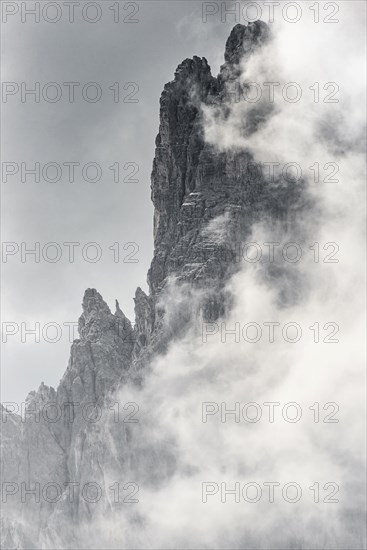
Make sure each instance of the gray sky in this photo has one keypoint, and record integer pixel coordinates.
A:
(104, 132)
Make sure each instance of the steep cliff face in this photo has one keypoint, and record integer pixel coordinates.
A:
(205, 203)
(206, 200)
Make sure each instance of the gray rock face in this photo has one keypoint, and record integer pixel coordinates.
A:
(59, 441)
(205, 202)
(242, 42)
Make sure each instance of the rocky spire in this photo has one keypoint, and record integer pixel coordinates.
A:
(241, 44)
(197, 189)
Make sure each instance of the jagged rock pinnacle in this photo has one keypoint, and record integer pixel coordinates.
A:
(192, 183)
(241, 44)
(244, 39)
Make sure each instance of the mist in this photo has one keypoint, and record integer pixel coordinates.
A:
(193, 400)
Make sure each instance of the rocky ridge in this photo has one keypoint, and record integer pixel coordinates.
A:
(205, 203)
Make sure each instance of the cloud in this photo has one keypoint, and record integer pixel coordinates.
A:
(322, 377)
(171, 513)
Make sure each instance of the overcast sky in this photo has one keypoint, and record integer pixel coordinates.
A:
(104, 132)
(145, 53)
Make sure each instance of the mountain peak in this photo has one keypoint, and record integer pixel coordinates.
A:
(244, 39)
(93, 304)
